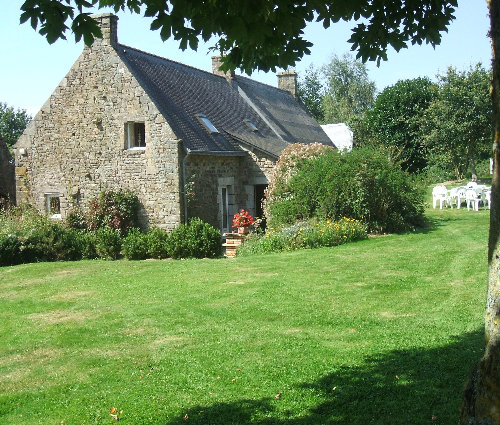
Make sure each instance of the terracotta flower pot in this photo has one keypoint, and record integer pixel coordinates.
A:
(243, 230)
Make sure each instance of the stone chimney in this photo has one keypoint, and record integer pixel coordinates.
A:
(216, 63)
(288, 81)
(109, 28)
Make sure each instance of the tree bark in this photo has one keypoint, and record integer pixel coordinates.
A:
(481, 402)
(473, 170)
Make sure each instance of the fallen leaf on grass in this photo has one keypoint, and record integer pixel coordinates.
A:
(114, 413)
(186, 417)
(277, 396)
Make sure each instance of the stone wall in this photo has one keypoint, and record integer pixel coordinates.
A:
(7, 183)
(76, 145)
(206, 175)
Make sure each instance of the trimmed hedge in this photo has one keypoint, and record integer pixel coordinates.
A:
(196, 239)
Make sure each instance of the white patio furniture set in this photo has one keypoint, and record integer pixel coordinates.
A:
(472, 194)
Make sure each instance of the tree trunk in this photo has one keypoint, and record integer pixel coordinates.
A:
(481, 403)
(473, 169)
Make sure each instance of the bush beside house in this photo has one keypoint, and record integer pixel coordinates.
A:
(363, 184)
(28, 236)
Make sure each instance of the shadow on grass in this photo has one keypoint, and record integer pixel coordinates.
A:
(399, 387)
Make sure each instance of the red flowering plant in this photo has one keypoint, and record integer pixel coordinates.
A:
(243, 219)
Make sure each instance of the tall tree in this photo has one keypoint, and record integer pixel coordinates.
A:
(266, 34)
(310, 90)
(339, 92)
(457, 126)
(395, 120)
(12, 123)
(482, 395)
(349, 92)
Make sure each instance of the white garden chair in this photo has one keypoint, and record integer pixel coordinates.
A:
(473, 199)
(439, 193)
(461, 195)
(487, 198)
(452, 197)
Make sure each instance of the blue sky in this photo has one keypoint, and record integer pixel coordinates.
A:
(31, 68)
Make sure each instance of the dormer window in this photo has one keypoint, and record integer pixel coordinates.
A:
(250, 125)
(135, 135)
(207, 123)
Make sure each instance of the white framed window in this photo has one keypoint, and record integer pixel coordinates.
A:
(135, 135)
(207, 123)
(53, 205)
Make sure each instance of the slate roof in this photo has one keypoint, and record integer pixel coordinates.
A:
(180, 92)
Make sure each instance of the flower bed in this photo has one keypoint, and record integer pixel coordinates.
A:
(305, 235)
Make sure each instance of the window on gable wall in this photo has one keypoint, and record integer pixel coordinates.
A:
(53, 205)
(135, 135)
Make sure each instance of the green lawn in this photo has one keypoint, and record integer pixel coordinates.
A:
(382, 331)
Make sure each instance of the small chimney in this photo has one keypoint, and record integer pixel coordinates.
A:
(109, 28)
(288, 81)
(216, 63)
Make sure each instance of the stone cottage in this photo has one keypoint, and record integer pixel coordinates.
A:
(189, 143)
(7, 182)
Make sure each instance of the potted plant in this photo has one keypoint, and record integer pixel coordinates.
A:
(243, 220)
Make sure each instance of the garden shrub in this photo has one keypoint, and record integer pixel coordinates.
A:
(88, 242)
(116, 210)
(10, 250)
(157, 243)
(75, 219)
(289, 162)
(135, 245)
(196, 239)
(363, 184)
(108, 244)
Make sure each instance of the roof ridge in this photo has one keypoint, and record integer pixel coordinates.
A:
(237, 77)
(167, 59)
(263, 84)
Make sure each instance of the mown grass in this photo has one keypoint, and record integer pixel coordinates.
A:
(382, 331)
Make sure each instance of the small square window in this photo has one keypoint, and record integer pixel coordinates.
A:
(53, 205)
(135, 135)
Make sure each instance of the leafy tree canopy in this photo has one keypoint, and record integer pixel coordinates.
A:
(310, 90)
(256, 34)
(12, 123)
(339, 92)
(457, 126)
(395, 121)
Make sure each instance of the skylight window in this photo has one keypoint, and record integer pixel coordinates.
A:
(250, 125)
(207, 123)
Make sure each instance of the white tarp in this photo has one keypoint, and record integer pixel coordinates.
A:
(340, 134)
